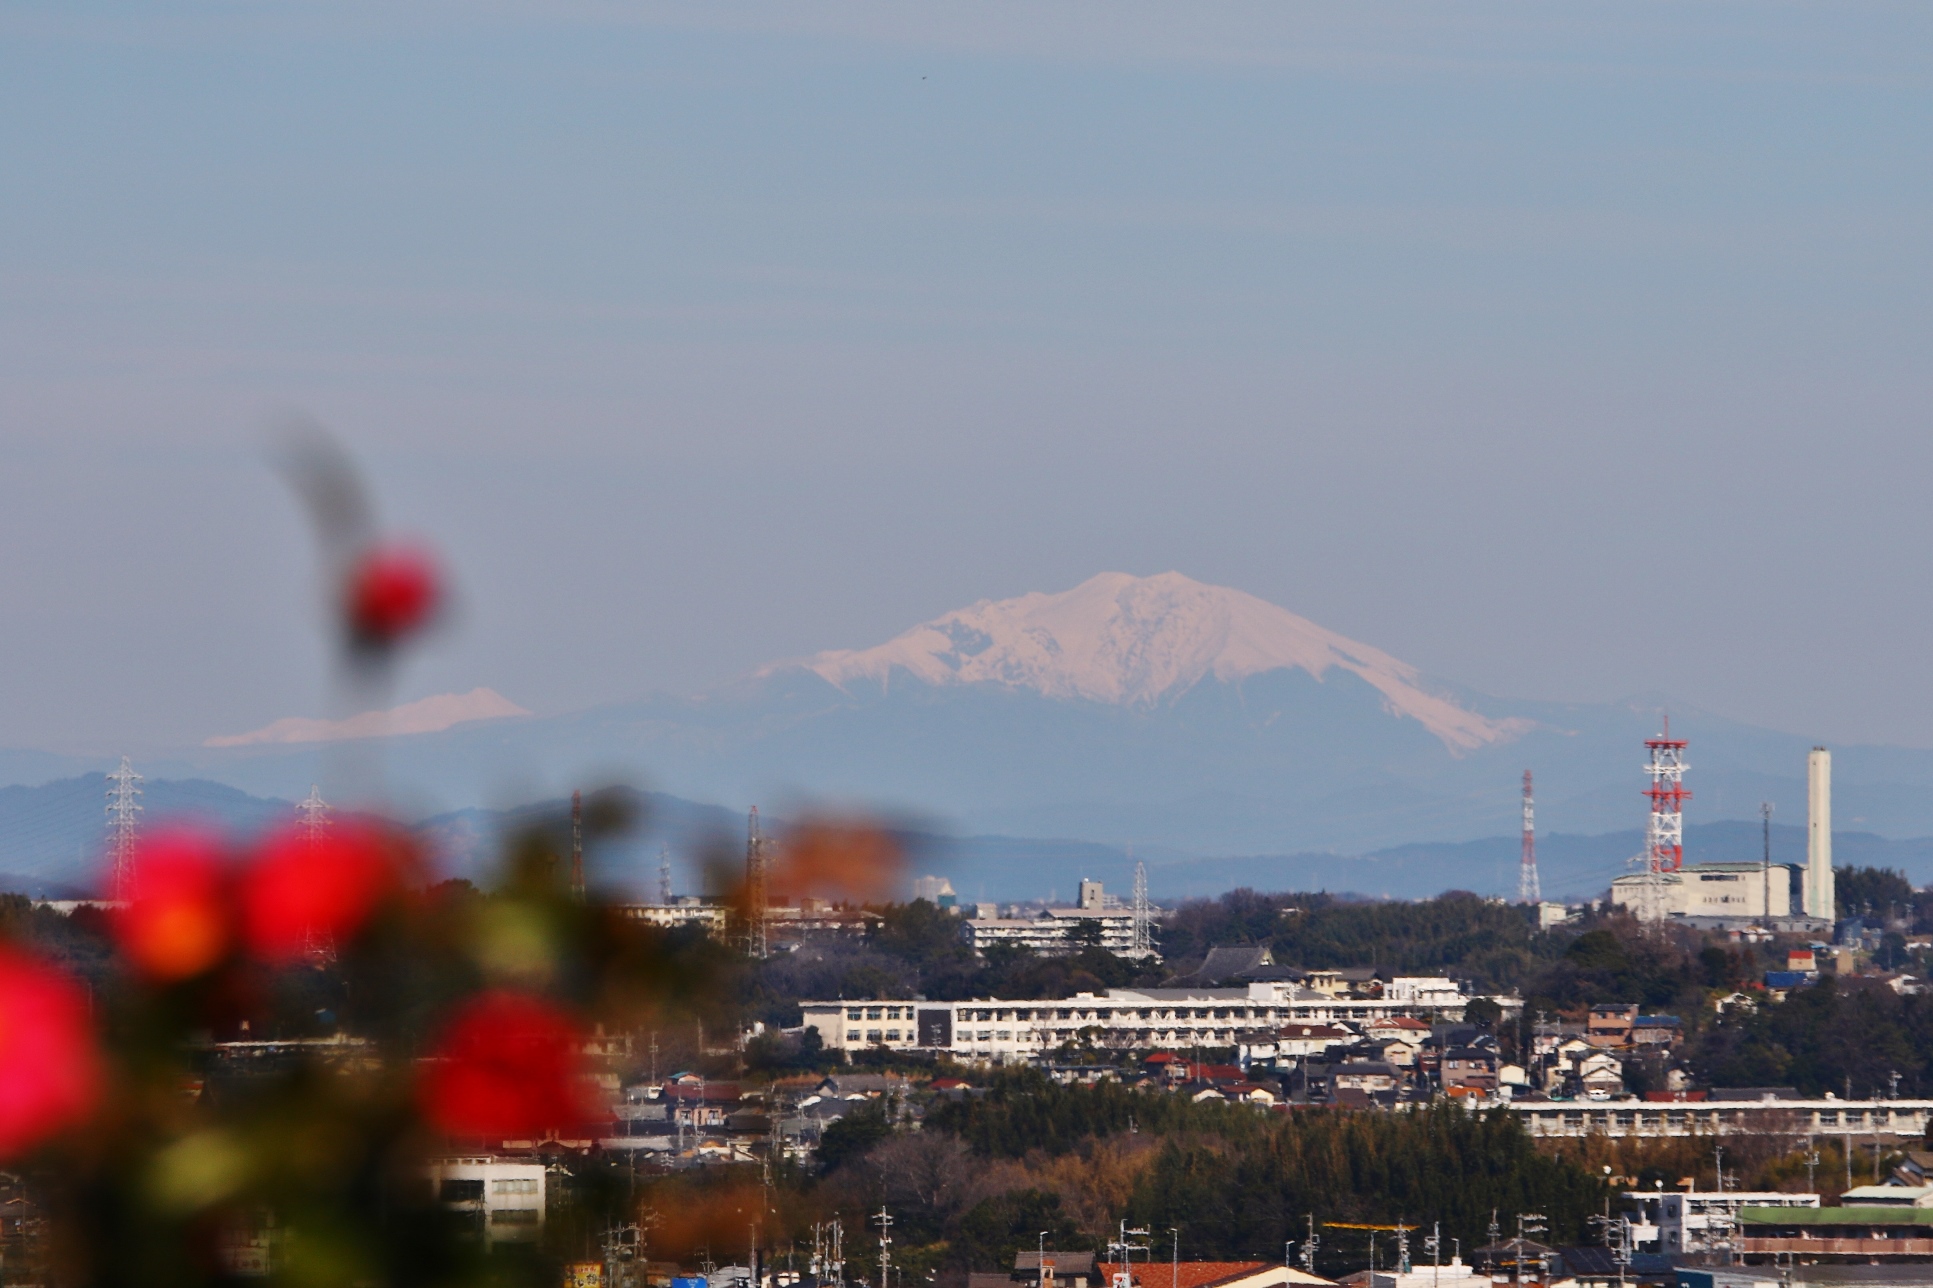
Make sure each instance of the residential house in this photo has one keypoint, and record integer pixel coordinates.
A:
(1472, 1068)
(1071, 1269)
(1250, 1093)
(1610, 1024)
(1656, 1031)
(1402, 1028)
(1306, 1039)
(1600, 1076)
(1368, 1076)
(1209, 1274)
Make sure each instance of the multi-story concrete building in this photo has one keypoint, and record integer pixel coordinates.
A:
(505, 1199)
(1094, 920)
(1120, 1019)
(1691, 1222)
(1857, 1122)
(714, 917)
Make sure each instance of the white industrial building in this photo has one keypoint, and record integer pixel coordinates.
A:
(1749, 891)
(1737, 890)
(1122, 1019)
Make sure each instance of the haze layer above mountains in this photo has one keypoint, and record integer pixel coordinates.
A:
(1183, 719)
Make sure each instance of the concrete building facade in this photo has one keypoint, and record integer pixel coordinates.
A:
(994, 1030)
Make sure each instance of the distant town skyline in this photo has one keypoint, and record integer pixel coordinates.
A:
(1561, 354)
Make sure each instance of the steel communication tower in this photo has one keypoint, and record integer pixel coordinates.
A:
(664, 876)
(1664, 837)
(313, 815)
(123, 810)
(1143, 925)
(755, 895)
(1528, 888)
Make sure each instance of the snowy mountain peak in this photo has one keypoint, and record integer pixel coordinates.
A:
(1136, 640)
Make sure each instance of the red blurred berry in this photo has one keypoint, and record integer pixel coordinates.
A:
(392, 592)
(50, 1068)
(508, 1066)
(308, 891)
(175, 921)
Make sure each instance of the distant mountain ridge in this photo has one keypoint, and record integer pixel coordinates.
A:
(51, 835)
(1184, 720)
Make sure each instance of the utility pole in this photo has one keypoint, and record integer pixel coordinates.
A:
(756, 945)
(885, 1223)
(1309, 1245)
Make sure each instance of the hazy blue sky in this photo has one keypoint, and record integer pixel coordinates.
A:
(1563, 350)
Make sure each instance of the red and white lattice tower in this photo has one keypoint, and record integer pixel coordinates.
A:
(1529, 890)
(1664, 836)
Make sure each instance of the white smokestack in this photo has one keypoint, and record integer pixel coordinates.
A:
(1819, 894)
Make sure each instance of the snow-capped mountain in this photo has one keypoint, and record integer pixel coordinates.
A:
(1156, 712)
(1128, 640)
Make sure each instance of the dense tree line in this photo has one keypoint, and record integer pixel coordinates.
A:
(1458, 933)
(1828, 1037)
(1237, 1183)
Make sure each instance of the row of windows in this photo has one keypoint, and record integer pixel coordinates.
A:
(521, 1185)
(1184, 1013)
(875, 1012)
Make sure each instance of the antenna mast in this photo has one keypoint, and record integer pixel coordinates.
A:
(755, 898)
(1528, 888)
(122, 822)
(577, 845)
(1664, 838)
(1143, 945)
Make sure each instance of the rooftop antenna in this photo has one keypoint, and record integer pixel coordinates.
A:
(577, 845)
(122, 823)
(664, 875)
(1528, 888)
(1143, 945)
(755, 896)
(313, 813)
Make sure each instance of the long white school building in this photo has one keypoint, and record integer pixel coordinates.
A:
(1121, 1019)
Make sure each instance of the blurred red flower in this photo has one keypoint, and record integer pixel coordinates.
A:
(392, 592)
(313, 891)
(508, 1066)
(175, 922)
(50, 1068)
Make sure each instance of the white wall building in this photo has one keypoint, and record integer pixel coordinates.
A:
(1714, 890)
(1681, 1222)
(1122, 1019)
(507, 1199)
(1057, 930)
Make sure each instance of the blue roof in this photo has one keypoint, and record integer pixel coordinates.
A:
(1657, 1021)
